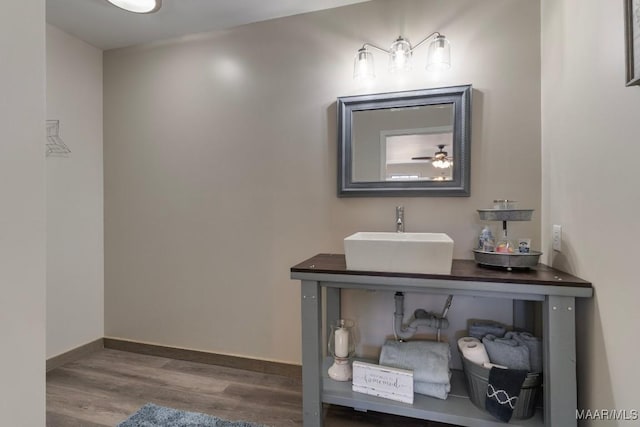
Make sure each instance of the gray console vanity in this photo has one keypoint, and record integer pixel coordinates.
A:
(557, 291)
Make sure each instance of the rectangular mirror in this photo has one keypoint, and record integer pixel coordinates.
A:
(412, 143)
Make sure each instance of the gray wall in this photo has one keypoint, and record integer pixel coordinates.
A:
(587, 112)
(220, 167)
(22, 217)
(75, 244)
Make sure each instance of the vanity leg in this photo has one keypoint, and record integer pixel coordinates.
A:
(311, 353)
(332, 310)
(524, 315)
(560, 388)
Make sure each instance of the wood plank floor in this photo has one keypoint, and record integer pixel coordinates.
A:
(104, 388)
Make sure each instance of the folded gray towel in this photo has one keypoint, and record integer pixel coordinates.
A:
(429, 360)
(534, 344)
(441, 391)
(480, 328)
(507, 352)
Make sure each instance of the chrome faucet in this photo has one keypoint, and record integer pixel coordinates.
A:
(400, 219)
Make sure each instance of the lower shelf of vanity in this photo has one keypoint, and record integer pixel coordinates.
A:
(456, 409)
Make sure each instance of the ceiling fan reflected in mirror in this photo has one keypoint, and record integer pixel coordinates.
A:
(439, 160)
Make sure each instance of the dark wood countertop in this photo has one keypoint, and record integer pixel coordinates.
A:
(461, 270)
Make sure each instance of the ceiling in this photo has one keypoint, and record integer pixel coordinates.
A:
(104, 26)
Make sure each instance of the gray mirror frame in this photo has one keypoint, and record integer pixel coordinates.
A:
(459, 96)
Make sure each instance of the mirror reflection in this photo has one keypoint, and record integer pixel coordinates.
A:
(411, 143)
(403, 144)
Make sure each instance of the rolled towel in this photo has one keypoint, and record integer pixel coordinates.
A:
(429, 360)
(466, 340)
(480, 328)
(534, 344)
(475, 352)
(507, 352)
(441, 391)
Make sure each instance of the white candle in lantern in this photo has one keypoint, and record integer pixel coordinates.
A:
(342, 342)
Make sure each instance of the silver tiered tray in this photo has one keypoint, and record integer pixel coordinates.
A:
(505, 214)
(502, 259)
(514, 260)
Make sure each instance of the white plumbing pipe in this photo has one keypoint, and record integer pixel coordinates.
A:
(421, 318)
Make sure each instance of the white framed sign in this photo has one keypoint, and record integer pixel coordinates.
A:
(383, 381)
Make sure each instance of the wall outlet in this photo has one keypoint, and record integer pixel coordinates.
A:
(556, 238)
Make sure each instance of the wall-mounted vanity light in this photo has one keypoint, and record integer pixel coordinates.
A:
(137, 6)
(400, 53)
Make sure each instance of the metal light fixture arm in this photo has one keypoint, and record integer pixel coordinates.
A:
(432, 35)
(366, 45)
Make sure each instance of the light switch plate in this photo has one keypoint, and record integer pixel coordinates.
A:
(556, 238)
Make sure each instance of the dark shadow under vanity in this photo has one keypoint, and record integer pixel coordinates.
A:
(555, 290)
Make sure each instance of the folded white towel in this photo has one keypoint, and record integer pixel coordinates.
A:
(429, 360)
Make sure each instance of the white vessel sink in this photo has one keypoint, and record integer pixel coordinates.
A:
(427, 253)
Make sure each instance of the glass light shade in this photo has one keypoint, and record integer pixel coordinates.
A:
(137, 6)
(341, 341)
(400, 55)
(441, 163)
(363, 65)
(439, 54)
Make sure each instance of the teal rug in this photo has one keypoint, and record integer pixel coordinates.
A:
(151, 415)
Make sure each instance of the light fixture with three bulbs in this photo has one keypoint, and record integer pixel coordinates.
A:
(400, 54)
